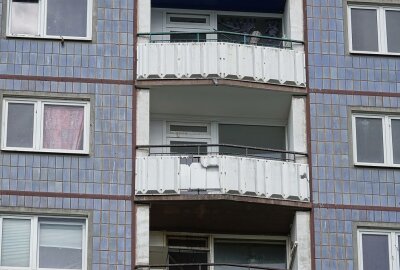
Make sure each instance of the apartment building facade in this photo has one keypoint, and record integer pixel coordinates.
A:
(155, 134)
(353, 69)
(222, 175)
(66, 135)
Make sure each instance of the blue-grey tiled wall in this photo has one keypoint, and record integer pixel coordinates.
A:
(335, 179)
(331, 66)
(108, 56)
(108, 169)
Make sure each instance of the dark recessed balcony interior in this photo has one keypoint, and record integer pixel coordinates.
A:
(270, 6)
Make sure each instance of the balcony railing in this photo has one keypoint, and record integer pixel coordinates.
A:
(221, 36)
(222, 169)
(205, 266)
(196, 150)
(224, 55)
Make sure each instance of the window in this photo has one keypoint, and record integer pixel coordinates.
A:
(46, 125)
(374, 29)
(377, 249)
(188, 250)
(188, 133)
(50, 18)
(251, 25)
(259, 251)
(252, 136)
(32, 242)
(376, 140)
(188, 20)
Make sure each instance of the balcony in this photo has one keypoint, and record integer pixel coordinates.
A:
(222, 55)
(204, 266)
(222, 169)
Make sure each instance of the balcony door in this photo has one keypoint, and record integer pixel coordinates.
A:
(188, 27)
(195, 134)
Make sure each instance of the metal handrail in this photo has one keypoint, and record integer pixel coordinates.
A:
(245, 37)
(246, 149)
(200, 265)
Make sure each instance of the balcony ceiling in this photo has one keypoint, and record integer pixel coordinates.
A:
(270, 6)
(221, 217)
(223, 101)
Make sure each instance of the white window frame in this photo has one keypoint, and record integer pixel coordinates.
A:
(393, 245)
(191, 137)
(231, 237)
(42, 23)
(34, 241)
(211, 25)
(38, 124)
(182, 134)
(387, 139)
(187, 25)
(381, 27)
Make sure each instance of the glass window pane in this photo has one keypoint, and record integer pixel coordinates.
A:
(188, 150)
(185, 256)
(375, 252)
(20, 125)
(369, 139)
(187, 37)
(60, 246)
(364, 29)
(63, 127)
(67, 18)
(257, 26)
(393, 30)
(187, 128)
(259, 254)
(15, 242)
(25, 17)
(253, 136)
(396, 140)
(190, 242)
(181, 19)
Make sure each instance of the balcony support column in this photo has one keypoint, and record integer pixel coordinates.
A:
(297, 128)
(144, 18)
(300, 235)
(293, 18)
(143, 121)
(142, 234)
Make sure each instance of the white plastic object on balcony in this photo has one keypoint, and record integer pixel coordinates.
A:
(221, 60)
(219, 174)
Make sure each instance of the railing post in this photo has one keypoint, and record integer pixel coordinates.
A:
(198, 150)
(244, 39)
(198, 37)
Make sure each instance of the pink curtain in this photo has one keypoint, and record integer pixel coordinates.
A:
(63, 127)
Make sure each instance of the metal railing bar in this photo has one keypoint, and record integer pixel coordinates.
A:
(206, 265)
(260, 156)
(222, 145)
(151, 34)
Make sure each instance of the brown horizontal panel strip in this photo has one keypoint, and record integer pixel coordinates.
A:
(65, 79)
(356, 93)
(149, 83)
(357, 207)
(66, 195)
(223, 197)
